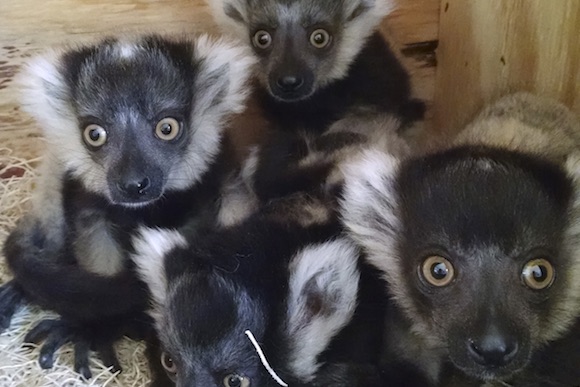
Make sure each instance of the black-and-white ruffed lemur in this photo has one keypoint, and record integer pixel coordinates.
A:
(133, 131)
(286, 277)
(321, 66)
(480, 246)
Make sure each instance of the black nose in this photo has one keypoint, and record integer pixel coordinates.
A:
(290, 83)
(493, 350)
(135, 186)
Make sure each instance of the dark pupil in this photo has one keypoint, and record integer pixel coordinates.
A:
(319, 38)
(166, 129)
(263, 39)
(234, 381)
(94, 134)
(539, 273)
(439, 271)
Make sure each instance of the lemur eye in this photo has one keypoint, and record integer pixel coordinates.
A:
(538, 274)
(167, 129)
(262, 39)
(437, 271)
(95, 136)
(169, 365)
(320, 38)
(234, 380)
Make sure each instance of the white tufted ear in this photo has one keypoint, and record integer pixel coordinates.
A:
(362, 19)
(151, 246)
(322, 299)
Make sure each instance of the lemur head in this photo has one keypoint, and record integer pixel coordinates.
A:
(302, 45)
(203, 312)
(479, 245)
(134, 118)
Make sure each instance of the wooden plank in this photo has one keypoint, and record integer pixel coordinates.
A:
(413, 28)
(488, 48)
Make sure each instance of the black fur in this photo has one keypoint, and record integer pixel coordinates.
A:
(221, 289)
(127, 95)
(488, 211)
(376, 80)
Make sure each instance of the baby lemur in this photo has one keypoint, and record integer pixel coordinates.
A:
(319, 63)
(133, 131)
(479, 244)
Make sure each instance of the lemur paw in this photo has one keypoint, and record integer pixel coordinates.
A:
(11, 298)
(57, 333)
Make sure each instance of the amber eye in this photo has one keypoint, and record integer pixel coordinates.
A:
(234, 380)
(95, 135)
(169, 365)
(320, 38)
(437, 271)
(538, 274)
(167, 129)
(262, 39)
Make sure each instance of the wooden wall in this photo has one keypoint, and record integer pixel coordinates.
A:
(27, 26)
(490, 47)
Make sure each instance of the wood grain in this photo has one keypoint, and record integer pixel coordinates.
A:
(490, 47)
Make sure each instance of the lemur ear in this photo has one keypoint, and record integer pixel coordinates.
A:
(322, 299)
(45, 94)
(354, 9)
(221, 84)
(229, 12)
(369, 207)
(151, 248)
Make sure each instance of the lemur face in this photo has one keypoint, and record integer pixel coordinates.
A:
(482, 254)
(475, 245)
(133, 108)
(303, 45)
(135, 118)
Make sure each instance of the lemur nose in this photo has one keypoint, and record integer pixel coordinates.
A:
(290, 82)
(134, 187)
(493, 350)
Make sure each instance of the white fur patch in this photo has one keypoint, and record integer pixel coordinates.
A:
(330, 271)
(222, 88)
(151, 245)
(45, 96)
(356, 32)
(95, 247)
(369, 211)
(369, 194)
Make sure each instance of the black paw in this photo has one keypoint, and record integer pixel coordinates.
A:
(11, 298)
(85, 338)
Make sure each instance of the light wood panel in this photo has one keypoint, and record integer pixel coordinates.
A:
(490, 47)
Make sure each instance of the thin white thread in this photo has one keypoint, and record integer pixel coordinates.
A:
(263, 359)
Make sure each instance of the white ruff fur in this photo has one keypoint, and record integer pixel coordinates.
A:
(223, 77)
(332, 268)
(151, 245)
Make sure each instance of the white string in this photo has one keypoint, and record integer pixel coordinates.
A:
(263, 359)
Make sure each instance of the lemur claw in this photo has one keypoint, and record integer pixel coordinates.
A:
(57, 333)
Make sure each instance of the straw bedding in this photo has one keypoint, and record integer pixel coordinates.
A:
(18, 364)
